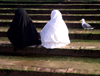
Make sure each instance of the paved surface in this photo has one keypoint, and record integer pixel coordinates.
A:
(55, 65)
(66, 66)
(73, 45)
(50, 65)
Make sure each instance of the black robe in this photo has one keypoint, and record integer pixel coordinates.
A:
(22, 32)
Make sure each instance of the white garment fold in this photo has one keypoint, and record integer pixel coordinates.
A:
(55, 33)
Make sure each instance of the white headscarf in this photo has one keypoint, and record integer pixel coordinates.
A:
(55, 33)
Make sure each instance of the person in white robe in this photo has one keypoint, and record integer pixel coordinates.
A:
(55, 33)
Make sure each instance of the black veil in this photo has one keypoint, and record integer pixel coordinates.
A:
(22, 31)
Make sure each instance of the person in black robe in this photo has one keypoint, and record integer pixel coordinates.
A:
(22, 32)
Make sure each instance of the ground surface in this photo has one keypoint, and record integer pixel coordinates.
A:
(75, 44)
(62, 64)
(51, 64)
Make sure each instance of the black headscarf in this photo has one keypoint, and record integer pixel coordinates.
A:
(22, 31)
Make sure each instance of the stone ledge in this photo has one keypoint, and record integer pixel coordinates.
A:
(9, 66)
(71, 36)
(34, 73)
(8, 49)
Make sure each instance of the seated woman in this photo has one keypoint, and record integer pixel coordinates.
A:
(22, 32)
(55, 33)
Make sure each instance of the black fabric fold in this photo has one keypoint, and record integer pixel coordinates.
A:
(22, 32)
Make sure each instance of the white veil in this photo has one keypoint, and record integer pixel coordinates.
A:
(55, 33)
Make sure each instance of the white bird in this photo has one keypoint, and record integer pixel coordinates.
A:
(86, 25)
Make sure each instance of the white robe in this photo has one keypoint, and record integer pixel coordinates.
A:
(55, 33)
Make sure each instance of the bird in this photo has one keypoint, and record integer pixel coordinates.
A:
(86, 25)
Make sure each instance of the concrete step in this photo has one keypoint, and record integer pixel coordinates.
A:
(48, 66)
(67, 2)
(80, 36)
(48, 11)
(20, 66)
(53, 6)
(73, 33)
(76, 5)
(41, 24)
(47, 17)
(65, 11)
(74, 49)
(53, 1)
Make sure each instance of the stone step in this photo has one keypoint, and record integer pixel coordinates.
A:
(67, 2)
(48, 11)
(47, 17)
(80, 36)
(48, 66)
(13, 72)
(75, 49)
(53, 6)
(41, 24)
(71, 31)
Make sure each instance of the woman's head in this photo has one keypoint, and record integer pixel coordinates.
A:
(56, 14)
